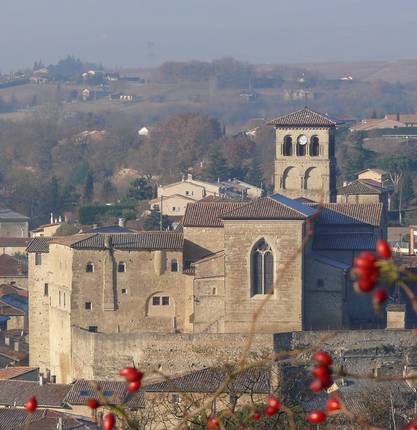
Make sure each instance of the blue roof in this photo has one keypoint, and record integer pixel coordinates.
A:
(16, 301)
(294, 204)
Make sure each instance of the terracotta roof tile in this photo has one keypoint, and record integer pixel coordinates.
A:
(268, 208)
(47, 395)
(349, 213)
(361, 186)
(254, 380)
(14, 372)
(303, 117)
(39, 244)
(208, 214)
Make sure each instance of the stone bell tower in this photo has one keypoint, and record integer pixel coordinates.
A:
(305, 164)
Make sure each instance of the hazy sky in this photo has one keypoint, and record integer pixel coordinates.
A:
(142, 32)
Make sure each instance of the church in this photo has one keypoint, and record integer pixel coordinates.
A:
(209, 276)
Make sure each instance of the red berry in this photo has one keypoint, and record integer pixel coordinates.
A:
(366, 260)
(131, 374)
(316, 386)
(323, 357)
(411, 426)
(366, 284)
(270, 410)
(213, 423)
(93, 403)
(366, 272)
(256, 416)
(321, 370)
(109, 421)
(274, 402)
(133, 386)
(383, 249)
(380, 296)
(316, 417)
(31, 405)
(333, 404)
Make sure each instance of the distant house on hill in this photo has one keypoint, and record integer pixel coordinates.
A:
(377, 124)
(13, 224)
(410, 120)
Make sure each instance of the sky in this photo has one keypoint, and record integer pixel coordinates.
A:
(141, 33)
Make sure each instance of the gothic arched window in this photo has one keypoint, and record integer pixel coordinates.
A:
(314, 146)
(262, 269)
(287, 148)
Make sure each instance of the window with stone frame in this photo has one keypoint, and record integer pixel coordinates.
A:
(174, 265)
(121, 267)
(262, 269)
(89, 268)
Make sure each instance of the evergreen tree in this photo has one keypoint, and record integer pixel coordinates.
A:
(255, 173)
(141, 189)
(218, 168)
(88, 191)
(55, 196)
(153, 220)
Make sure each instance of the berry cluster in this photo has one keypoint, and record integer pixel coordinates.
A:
(367, 272)
(31, 404)
(322, 372)
(134, 378)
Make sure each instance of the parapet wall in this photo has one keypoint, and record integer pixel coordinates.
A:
(100, 356)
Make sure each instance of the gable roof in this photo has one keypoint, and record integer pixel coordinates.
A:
(253, 380)
(274, 207)
(17, 392)
(303, 117)
(362, 186)
(114, 391)
(16, 301)
(14, 372)
(10, 215)
(172, 196)
(208, 214)
(349, 213)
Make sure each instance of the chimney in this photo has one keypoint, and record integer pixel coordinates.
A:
(52, 218)
(411, 245)
(189, 176)
(41, 380)
(122, 222)
(60, 219)
(395, 316)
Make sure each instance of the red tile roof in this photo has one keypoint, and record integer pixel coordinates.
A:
(10, 266)
(303, 117)
(205, 214)
(14, 372)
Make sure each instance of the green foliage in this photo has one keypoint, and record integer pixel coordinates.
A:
(218, 168)
(396, 164)
(408, 189)
(152, 221)
(88, 190)
(94, 214)
(255, 173)
(141, 189)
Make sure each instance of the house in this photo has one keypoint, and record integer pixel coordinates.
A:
(410, 120)
(174, 205)
(235, 188)
(377, 124)
(15, 308)
(13, 224)
(45, 230)
(22, 373)
(13, 245)
(377, 175)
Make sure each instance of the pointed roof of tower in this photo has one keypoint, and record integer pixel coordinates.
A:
(303, 117)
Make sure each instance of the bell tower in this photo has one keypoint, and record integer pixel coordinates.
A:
(305, 164)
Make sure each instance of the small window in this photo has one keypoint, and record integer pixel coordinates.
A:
(124, 290)
(93, 328)
(64, 299)
(86, 393)
(121, 267)
(89, 268)
(88, 306)
(165, 301)
(46, 290)
(214, 291)
(38, 259)
(156, 301)
(175, 398)
(174, 265)
(174, 208)
(320, 283)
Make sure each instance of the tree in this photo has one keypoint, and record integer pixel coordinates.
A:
(55, 196)
(396, 165)
(407, 189)
(218, 168)
(88, 191)
(255, 173)
(141, 189)
(153, 221)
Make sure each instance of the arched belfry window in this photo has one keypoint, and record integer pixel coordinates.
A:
(287, 147)
(314, 146)
(262, 269)
(302, 145)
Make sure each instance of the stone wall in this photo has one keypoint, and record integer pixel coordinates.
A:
(14, 229)
(283, 311)
(202, 241)
(100, 356)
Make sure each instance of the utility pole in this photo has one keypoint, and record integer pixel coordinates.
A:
(160, 213)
